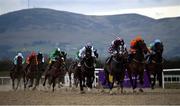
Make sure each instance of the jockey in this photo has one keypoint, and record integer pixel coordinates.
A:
(81, 53)
(153, 49)
(133, 48)
(40, 57)
(117, 46)
(30, 58)
(18, 59)
(53, 56)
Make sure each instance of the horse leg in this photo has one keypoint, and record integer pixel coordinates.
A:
(110, 82)
(154, 81)
(141, 79)
(89, 85)
(24, 80)
(31, 82)
(45, 80)
(81, 84)
(18, 81)
(13, 80)
(135, 82)
(54, 83)
(159, 76)
(36, 83)
(131, 80)
(149, 77)
(111, 87)
(70, 83)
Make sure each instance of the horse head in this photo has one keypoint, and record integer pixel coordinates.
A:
(141, 50)
(88, 59)
(159, 48)
(157, 57)
(88, 52)
(118, 57)
(64, 54)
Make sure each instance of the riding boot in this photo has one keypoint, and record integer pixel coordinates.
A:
(150, 59)
(130, 58)
(109, 60)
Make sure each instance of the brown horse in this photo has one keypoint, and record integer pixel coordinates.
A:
(73, 68)
(54, 73)
(115, 71)
(64, 70)
(17, 73)
(137, 65)
(31, 72)
(39, 73)
(154, 65)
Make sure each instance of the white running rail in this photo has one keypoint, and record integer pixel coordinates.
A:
(169, 77)
(166, 77)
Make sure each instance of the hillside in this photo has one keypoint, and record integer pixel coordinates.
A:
(44, 29)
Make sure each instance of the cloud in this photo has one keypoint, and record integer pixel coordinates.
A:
(11, 5)
(90, 6)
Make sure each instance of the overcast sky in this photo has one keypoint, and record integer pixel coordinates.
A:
(151, 8)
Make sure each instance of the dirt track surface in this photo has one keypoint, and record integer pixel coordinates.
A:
(95, 97)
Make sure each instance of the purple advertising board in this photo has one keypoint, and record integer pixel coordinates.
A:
(126, 83)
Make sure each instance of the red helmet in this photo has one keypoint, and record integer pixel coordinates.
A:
(33, 53)
(138, 38)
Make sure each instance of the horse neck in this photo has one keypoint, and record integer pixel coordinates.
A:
(139, 55)
(157, 57)
(117, 58)
(89, 61)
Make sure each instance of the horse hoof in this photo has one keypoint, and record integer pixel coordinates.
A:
(102, 91)
(122, 91)
(30, 86)
(152, 88)
(89, 89)
(34, 88)
(82, 92)
(141, 90)
(134, 91)
(111, 92)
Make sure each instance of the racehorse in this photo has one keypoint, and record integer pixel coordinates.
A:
(137, 65)
(53, 74)
(87, 69)
(31, 72)
(155, 65)
(40, 70)
(64, 70)
(74, 68)
(17, 73)
(115, 70)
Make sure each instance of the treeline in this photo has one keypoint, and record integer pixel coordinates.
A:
(7, 64)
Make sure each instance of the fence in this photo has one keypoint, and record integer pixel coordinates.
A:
(169, 76)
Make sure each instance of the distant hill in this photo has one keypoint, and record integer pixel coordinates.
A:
(44, 29)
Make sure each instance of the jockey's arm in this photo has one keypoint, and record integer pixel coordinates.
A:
(15, 60)
(81, 52)
(93, 50)
(23, 60)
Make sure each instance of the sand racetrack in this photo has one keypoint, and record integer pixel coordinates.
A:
(73, 97)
